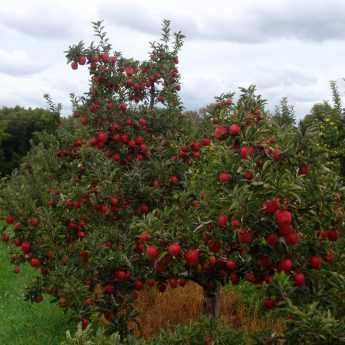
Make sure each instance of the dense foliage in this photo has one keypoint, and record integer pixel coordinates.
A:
(17, 128)
(328, 118)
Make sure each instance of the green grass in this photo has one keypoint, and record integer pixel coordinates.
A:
(21, 322)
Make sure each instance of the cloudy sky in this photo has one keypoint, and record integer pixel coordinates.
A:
(287, 48)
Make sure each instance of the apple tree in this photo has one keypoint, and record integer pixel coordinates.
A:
(69, 209)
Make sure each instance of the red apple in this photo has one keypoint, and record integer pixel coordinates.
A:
(224, 177)
(315, 262)
(152, 252)
(174, 249)
(234, 129)
(299, 279)
(192, 257)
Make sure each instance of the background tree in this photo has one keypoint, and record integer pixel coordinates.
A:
(18, 128)
(284, 114)
(329, 119)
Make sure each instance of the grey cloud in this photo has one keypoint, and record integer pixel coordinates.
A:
(287, 77)
(288, 60)
(293, 21)
(18, 63)
(129, 16)
(138, 17)
(313, 21)
(44, 21)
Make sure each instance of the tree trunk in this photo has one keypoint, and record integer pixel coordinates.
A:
(211, 301)
(152, 96)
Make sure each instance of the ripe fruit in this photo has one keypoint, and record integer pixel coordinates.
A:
(152, 251)
(156, 184)
(35, 262)
(272, 239)
(174, 249)
(235, 223)
(26, 247)
(84, 120)
(231, 264)
(220, 132)
(304, 170)
(244, 152)
(213, 246)
(138, 285)
(105, 57)
(143, 208)
(285, 229)
(234, 129)
(182, 282)
(9, 219)
(222, 220)
(129, 70)
(315, 262)
(268, 303)
(271, 206)
(276, 155)
(234, 278)
(246, 236)
(81, 234)
(114, 201)
(84, 323)
(224, 177)
(247, 151)
(102, 137)
(5, 237)
(120, 275)
(34, 221)
(205, 142)
(283, 217)
(82, 60)
(74, 65)
(292, 238)
(123, 107)
(144, 236)
(174, 179)
(108, 289)
(299, 279)
(196, 146)
(151, 282)
(286, 265)
(248, 175)
(332, 235)
(192, 257)
(139, 140)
